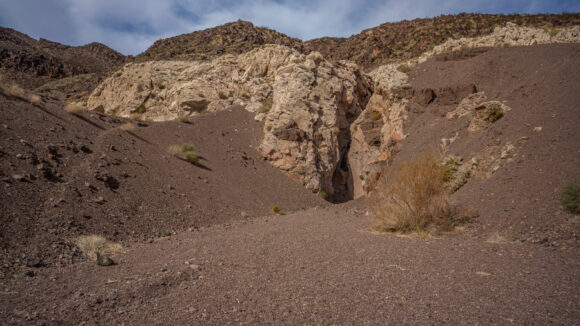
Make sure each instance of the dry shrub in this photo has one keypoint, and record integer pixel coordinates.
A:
(15, 90)
(127, 126)
(34, 99)
(74, 109)
(93, 245)
(414, 198)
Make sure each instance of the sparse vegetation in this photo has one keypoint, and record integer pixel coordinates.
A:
(494, 112)
(376, 115)
(127, 126)
(415, 198)
(266, 105)
(269, 128)
(455, 174)
(33, 99)
(136, 116)
(164, 232)
(140, 109)
(94, 245)
(322, 194)
(406, 86)
(119, 74)
(74, 109)
(161, 86)
(570, 198)
(187, 150)
(276, 210)
(404, 68)
(183, 118)
(15, 90)
(222, 95)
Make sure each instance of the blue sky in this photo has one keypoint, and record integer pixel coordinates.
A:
(131, 26)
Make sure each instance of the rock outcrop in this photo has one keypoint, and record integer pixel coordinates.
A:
(307, 131)
(308, 104)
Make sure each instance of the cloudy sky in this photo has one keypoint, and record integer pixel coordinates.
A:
(131, 26)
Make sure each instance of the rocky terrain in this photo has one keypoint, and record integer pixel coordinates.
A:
(207, 176)
(59, 70)
(369, 49)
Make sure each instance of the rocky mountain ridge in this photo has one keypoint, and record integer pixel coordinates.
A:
(369, 48)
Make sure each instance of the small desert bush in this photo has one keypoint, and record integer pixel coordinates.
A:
(93, 245)
(322, 194)
(276, 209)
(570, 198)
(140, 109)
(74, 109)
(406, 86)
(376, 115)
(494, 112)
(128, 126)
(34, 99)
(183, 118)
(414, 198)
(136, 116)
(404, 68)
(266, 105)
(222, 95)
(161, 86)
(186, 150)
(119, 74)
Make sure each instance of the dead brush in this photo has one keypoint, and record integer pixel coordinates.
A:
(74, 109)
(93, 246)
(414, 199)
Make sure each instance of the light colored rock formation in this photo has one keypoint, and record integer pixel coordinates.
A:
(307, 129)
(376, 133)
(509, 35)
(165, 90)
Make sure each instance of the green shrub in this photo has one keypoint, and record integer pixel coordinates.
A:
(322, 194)
(276, 209)
(404, 68)
(570, 198)
(161, 86)
(376, 115)
(266, 105)
(494, 112)
(191, 157)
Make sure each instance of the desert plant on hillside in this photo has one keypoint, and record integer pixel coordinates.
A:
(404, 68)
(94, 245)
(183, 118)
(74, 109)
(140, 109)
(494, 112)
(127, 126)
(414, 198)
(222, 95)
(570, 198)
(187, 150)
(276, 210)
(161, 86)
(33, 99)
(266, 105)
(376, 115)
(322, 194)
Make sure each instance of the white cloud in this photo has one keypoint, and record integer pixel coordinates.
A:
(131, 26)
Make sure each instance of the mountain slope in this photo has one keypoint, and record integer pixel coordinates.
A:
(32, 63)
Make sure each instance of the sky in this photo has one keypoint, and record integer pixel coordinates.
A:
(131, 26)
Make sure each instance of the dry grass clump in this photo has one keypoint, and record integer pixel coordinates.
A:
(187, 151)
(15, 90)
(93, 245)
(183, 118)
(570, 198)
(376, 115)
(276, 209)
(494, 112)
(127, 126)
(404, 68)
(266, 105)
(34, 99)
(74, 109)
(414, 199)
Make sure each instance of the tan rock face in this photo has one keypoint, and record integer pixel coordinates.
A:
(308, 104)
(307, 131)
(165, 90)
(377, 132)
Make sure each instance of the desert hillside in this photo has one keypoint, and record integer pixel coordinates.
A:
(270, 184)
